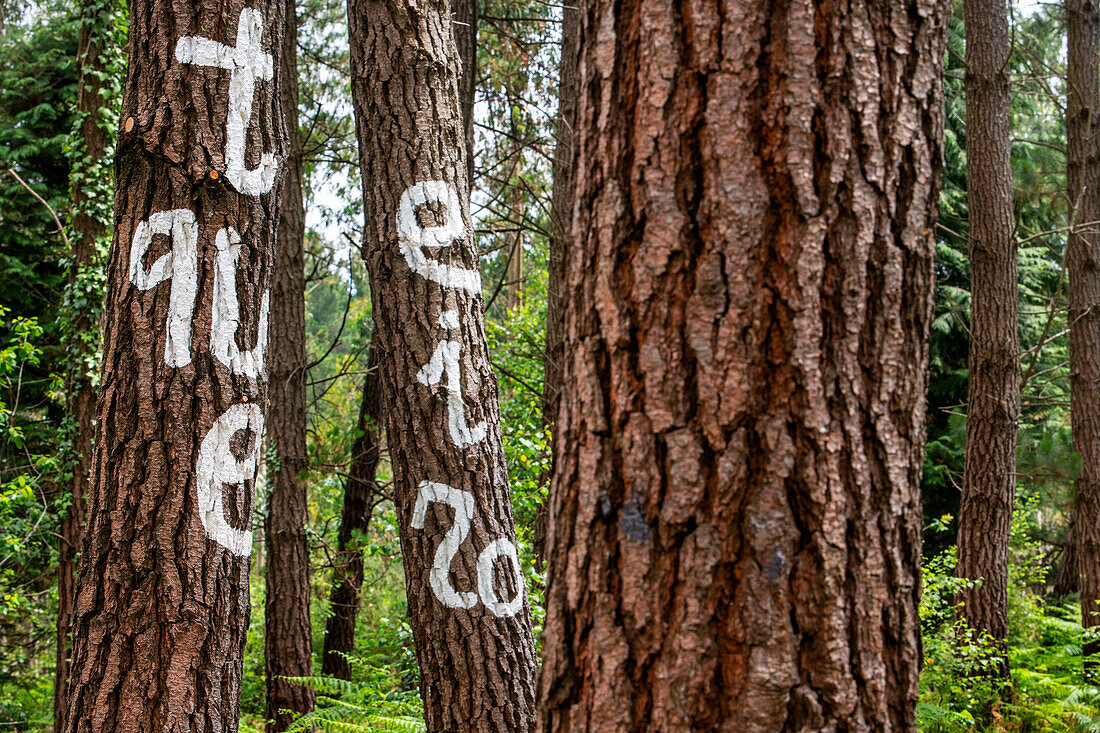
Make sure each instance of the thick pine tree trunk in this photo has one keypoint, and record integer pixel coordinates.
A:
(96, 22)
(993, 412)
(469, 614)
(735, 518)
(359, 493)
(288, 637)
(1083, 264)
(162, 607)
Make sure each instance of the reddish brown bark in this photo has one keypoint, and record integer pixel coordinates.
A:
(79, 389)
(1083, 266)
(735, 512)
(468, 610)
(993, 412)
(162, 607)
(359, 494)
(288, 636)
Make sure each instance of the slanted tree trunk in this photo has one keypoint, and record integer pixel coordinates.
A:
(162, 607)
(1083, 265)
(470, 618)
(359, 493)
(735, 511)
(464, 26)
(288, 637)
(993, 412)
(90, 222)
(561, 205)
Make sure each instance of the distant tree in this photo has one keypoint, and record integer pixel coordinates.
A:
(360, 493)
(1083, 265)
(561, 209)
(288, 636)
(467, 604)
(993, 411)
(464, 27)
(161, 610)
(735, 510)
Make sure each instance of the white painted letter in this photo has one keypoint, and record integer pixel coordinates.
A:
(247, 64)
(413, 238)
(181, 265)
(445, 362)
(227, 313)
(488, 556)
(463, 503)
(217, 467)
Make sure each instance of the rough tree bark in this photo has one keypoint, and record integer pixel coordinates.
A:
(288, 637)
(993, 412)
(470, 618)
(89, 223)
(1083, 265)
(561, 205)
(162, 607)
(735, 519)
(359, 493)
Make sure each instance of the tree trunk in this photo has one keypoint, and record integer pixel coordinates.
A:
(1067, 577)
(1083, 264)
(514, 274)
(355, 517)
(993, 412)
(162, 607)
(735, 512)
(90, 222)
(464, 25)
(469, 613)
(288, 637)
(561, 205)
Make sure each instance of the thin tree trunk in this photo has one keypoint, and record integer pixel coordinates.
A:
(359, 493)
(464, 25)
(735, 516)
(993, 412)
(162, 606)
(514, 273)
(90, 222)
(561, 205)
(1066, 574)
(1083, 264)
(288, 637)
(470, 618)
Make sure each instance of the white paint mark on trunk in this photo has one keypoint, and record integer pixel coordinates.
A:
(485, 561)
(180, 265)
(445, 362)
(217, 468)
(462, 502)
(247, 64)
(226, 311)
(448, 320)
(413, 238)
